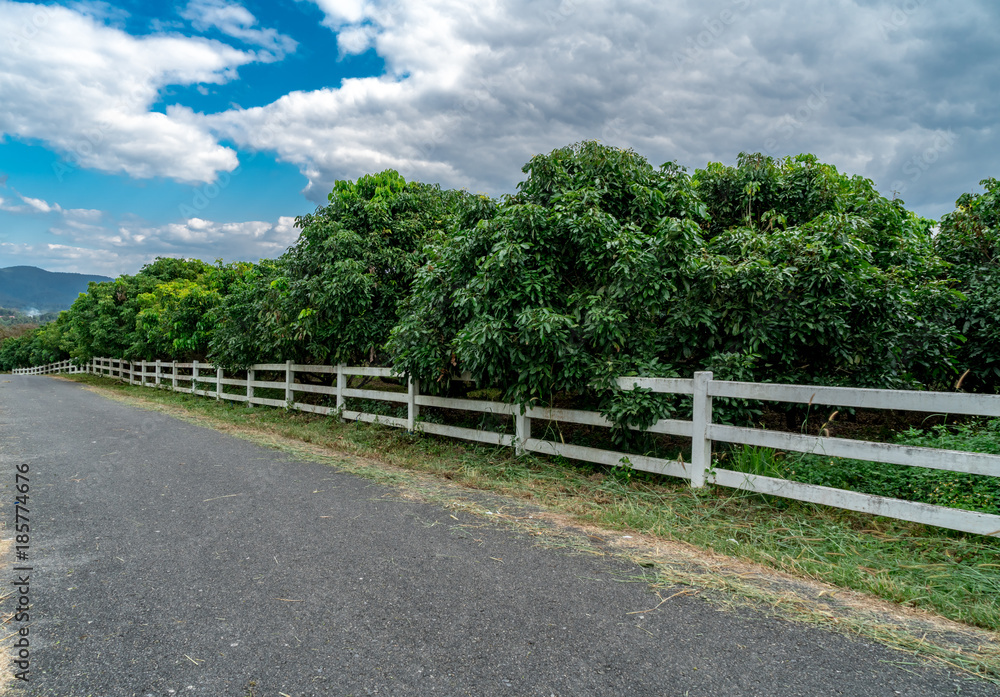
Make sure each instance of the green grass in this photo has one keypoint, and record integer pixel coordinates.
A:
(954, 575)
(969, 491)
(953, 489)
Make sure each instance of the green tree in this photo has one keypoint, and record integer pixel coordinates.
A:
(106, 321)
(969, 240)
(334, 295)
(819, 278)
(570, 281)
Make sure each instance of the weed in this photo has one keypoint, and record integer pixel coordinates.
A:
(749, 459)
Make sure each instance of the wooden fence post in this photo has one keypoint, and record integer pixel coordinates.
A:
(250, 377)
(522, 432)
(701, 419)
(289, 381)
(194, 376)
(219, 374)
(412, 410)
(341, 386)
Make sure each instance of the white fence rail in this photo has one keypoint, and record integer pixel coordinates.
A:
(209, 381)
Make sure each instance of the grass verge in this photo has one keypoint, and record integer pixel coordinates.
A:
(803, 562)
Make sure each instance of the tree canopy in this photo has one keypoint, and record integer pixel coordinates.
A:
(334, 295)
(600, 264)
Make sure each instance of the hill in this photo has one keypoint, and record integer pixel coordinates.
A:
(29, 288)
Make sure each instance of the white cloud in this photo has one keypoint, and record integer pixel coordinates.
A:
(341, 12)
(127, 246)
(86, 89)
(40, 206)
(472, 90)
(236, 21)
(84, 214)
(59, 257)
(28, 204)
(204, 239)
(102, 11)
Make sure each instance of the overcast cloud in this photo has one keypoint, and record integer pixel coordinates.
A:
(474, 90)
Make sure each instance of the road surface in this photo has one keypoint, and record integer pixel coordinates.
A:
(169, 559)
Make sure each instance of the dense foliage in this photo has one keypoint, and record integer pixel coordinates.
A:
(164, 311)
(599, 265)
(969, 240)
(575, 278)
(824, 280)
(334, 295)
(602, 265)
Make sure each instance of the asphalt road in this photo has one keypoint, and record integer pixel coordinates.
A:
(169, 559)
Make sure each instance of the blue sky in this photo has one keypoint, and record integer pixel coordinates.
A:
(202, 128)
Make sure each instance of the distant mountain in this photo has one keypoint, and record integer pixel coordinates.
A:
(30, 289)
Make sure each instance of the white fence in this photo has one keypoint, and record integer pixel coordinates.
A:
(60, 367)
(191, 378)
